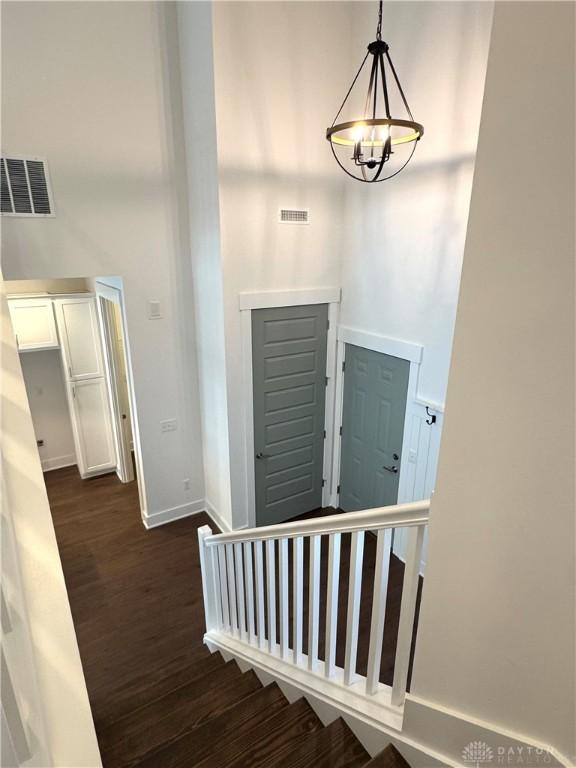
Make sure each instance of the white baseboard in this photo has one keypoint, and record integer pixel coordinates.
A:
(173, 513)
(58, 462)
(217, 519)
(165, 516)
(449, 732)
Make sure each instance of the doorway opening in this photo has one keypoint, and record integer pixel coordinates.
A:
(74, 352)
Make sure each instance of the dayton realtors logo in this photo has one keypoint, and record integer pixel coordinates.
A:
(477, 753)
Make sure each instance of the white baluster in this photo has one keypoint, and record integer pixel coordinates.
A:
(378, 609)
(332, 602)
(271, 593)
(353, 614)
(283, 572)
(407, 613)
(232, 589)
(249, 573)
(260, 626)
(240, 590)
(224, 587)
(297, 585)
(314, 601)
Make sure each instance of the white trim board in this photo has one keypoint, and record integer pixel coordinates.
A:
(268, 300)
(165, 516)
(406, 350)
(449, 731)
(58, 462)
(288, 298)
(171, 514)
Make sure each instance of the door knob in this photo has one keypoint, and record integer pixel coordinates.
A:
(394, 470)
(262, 455)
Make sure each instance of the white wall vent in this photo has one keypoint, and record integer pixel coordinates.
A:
(24, 187)
(294, 216)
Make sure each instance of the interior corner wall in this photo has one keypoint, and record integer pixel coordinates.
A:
(404, 238)
(199, 120)
(46, 390)
(497, 625)
(87, 87)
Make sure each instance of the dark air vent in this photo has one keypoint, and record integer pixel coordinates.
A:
(24, 189)
(294, 216)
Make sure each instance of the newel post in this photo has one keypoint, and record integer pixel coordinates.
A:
(210, 587)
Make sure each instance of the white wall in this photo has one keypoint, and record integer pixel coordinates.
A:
(199, 121)
(41, 650)
(281, 71)
(86, 85)
(497, 626)
(404, 238)
(277, 78)
(46, 392)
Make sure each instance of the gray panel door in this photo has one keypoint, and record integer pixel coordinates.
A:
(375, 390)
(289, 375)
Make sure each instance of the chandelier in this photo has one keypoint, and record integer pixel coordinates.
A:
(376, 146)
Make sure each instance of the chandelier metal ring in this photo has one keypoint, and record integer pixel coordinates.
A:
(369, 148)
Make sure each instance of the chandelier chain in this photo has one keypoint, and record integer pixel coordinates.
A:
(379, 27)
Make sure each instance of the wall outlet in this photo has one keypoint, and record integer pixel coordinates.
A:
(39, 443)
(168, 425)
(412, 456)
(187, 484)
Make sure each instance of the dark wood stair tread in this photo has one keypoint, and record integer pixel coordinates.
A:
(167, 718)
(388, 758)
(197, 744)
(258, 746)
(131, 694)
(334, 746)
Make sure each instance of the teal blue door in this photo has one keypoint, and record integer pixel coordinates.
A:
(289, 380)
(375, 390)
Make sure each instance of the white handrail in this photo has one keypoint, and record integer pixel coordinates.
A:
(396, 516)
(247, 588)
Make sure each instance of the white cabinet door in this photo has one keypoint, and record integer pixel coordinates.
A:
(92, 426)
(33, 321)
(80, 336)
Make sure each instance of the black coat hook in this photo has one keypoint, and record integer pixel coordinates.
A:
(432, 419)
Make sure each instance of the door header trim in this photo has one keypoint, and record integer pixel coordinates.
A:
(288, 298)
(406, 350)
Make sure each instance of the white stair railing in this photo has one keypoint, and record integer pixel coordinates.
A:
(254, 613)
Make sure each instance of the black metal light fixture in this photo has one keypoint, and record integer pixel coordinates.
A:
(376, 146)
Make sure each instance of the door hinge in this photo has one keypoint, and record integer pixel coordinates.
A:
(338, 489)
(343, 365)
(324, 434)
(328, 324)
(323, 483)
(326, 381)
(340, 430)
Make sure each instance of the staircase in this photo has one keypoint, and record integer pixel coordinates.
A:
(217, 717)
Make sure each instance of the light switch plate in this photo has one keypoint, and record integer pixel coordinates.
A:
(168, 425)
(154, 310)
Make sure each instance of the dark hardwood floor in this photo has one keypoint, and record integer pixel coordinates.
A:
(136, 597)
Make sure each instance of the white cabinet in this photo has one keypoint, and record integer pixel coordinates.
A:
(81, 345)
(92, 426)
(33, 322)
(80, 336)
